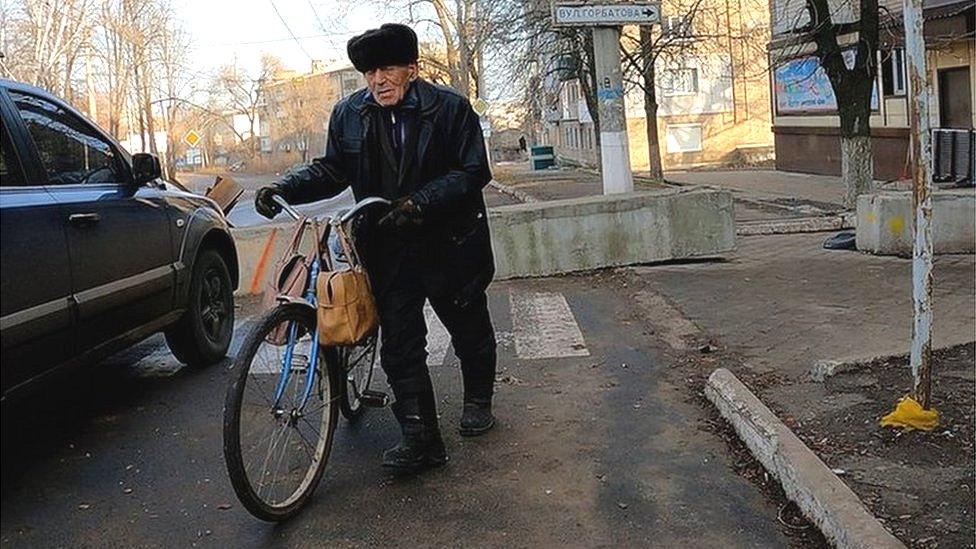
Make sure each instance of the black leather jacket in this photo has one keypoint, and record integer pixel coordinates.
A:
(446, 183)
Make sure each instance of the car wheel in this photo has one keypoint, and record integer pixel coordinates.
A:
(202, 335)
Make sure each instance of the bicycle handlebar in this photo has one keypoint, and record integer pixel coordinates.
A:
(368, 201)
(292, 212)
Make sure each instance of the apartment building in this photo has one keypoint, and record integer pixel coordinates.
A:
(295, 110)
(805, 123)
(711, 87)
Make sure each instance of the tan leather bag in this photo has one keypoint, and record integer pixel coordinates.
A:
(346, 307)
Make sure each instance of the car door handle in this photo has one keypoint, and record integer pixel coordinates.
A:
(84, 219)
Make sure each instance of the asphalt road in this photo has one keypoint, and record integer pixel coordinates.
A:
(244, 215)
(598, 443)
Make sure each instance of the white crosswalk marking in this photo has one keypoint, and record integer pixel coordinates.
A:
(545, 327)
(438, 340)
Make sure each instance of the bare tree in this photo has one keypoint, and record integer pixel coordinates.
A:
(173, 84)
(45, 41)
(701, 33)
(844, 39)
(853, 85)
(241, 93)
(466, 29)
(300, 107)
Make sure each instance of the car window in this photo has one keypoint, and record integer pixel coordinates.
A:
(10, 173)
(70, 150)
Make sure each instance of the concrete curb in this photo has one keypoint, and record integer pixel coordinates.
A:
(818, 492)
(796, 225)
(514, 193)
(826, 368)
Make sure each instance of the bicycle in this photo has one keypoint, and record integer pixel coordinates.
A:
(292, 390)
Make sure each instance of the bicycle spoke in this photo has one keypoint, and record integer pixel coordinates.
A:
(312, 427)
(279, 468)
(275, 438)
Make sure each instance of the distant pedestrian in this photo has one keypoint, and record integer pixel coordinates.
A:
(419, 145)
(522, 144)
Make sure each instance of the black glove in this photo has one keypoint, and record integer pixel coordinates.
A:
(404, 212)
(264, 201)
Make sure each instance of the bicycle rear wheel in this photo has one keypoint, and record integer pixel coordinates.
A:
(276, 449)
(358, 363)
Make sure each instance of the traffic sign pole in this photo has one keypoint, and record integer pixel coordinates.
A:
(606, 20)
(614, 148)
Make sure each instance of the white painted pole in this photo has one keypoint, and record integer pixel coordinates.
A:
(921, 142)
(614, 150)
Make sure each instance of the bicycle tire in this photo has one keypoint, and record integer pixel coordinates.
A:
(368, 354)
(247, 492)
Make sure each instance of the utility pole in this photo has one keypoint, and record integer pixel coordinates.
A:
(921, 142)
(606, 20)
(614, 148)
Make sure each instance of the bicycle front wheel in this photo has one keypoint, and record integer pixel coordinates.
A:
(278, 421)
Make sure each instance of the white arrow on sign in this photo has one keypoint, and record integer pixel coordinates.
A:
(609, 15)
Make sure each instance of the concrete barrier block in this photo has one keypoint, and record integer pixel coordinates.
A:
(885, 220)
(562, 236)
(258, 251)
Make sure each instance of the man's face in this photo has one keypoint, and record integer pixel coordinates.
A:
(389, 84)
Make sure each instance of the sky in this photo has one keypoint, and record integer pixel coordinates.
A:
(227, 30)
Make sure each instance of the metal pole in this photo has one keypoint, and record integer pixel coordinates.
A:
(921, 140)
(614, 151)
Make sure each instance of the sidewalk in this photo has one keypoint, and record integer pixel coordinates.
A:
(759, 194)
(782, 303)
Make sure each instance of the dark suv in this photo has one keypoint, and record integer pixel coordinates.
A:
(96, 251)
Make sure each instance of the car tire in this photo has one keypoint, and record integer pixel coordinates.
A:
(202, 335)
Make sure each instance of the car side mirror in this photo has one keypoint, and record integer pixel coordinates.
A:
(145, 168)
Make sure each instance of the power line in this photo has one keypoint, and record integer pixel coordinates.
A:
(287, 28)
(288, 39)
(316, 14)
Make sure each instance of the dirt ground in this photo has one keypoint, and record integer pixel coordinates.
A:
(919, 484)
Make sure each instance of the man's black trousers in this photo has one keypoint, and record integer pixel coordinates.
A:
(404, 334)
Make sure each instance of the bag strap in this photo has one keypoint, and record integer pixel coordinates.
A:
(297, 234)
(347, 246)
(322, 246)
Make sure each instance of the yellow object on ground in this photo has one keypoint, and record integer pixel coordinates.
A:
(910, 415)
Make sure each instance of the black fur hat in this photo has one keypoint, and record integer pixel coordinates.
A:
(391, 44)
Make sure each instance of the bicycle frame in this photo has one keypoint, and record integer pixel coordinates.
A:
(311, 299)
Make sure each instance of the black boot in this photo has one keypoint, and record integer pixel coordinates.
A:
(421, 445)
(476, 418)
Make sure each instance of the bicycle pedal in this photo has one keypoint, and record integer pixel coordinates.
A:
(374, 399)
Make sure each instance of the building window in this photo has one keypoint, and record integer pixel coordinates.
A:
(683, 138)
(570, 100)
(682, 81)
(893, 73)
(678, 28)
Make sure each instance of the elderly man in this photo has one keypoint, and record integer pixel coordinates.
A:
(419, 145)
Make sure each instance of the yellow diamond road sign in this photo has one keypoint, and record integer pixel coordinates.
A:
(191, 138)
(480, 106)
